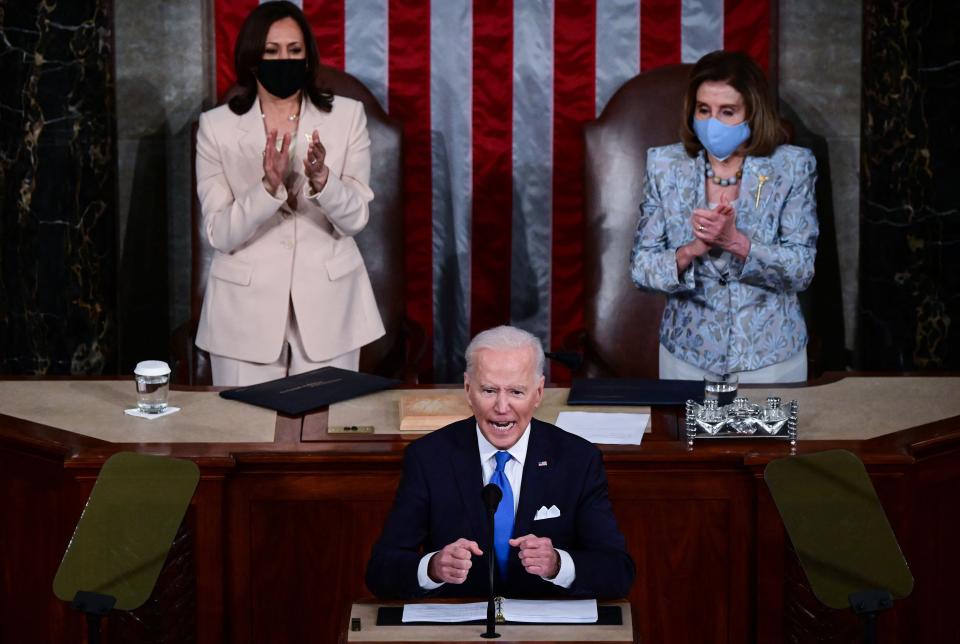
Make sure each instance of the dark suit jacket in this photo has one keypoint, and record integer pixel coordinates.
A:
(438, 502)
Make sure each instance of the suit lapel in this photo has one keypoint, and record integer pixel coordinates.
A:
(536, 479)
(465, 461)
(699, 180)
(251, 141)
(691, 189)
(251, 136)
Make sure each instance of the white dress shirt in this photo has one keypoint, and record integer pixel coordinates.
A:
(514, 471)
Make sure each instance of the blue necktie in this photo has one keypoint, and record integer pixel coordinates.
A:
(503, 519)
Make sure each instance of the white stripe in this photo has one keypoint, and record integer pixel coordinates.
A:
(366, 38)
(701, 28)
(451, 152)
(618, 46)
(532, 166)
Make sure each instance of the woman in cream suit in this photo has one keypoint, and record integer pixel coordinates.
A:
(282, 173)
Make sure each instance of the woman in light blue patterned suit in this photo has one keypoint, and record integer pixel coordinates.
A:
(728, 230)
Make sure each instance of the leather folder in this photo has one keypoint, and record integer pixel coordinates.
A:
(634, 391)
(306, 392)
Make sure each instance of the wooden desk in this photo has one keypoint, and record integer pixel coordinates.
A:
(276, 542)
(366, 612)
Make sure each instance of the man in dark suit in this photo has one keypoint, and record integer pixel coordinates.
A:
(555, 533)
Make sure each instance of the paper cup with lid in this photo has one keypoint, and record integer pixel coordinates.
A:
(153, 385)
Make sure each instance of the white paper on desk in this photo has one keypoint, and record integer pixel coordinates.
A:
(560, 611)
(605, 428)
(444, 612)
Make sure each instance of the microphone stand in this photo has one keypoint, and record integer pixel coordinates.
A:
(491, 496)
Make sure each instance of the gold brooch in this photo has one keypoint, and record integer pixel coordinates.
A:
(761, 179)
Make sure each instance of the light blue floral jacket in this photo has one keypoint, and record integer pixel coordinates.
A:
(727, 316)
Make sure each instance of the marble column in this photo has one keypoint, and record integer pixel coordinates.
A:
(58, 184)
(820, 73)
(910, 208)
(159, 92)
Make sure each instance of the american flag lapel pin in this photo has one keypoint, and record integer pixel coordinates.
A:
(542, 464)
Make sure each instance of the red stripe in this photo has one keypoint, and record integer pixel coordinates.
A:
(228, 18)
(327, 21)
(409, 99)
(492, 164)
(746, 28)
(659, 33)
(575, 53)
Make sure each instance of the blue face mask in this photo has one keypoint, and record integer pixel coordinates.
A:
(720, 139)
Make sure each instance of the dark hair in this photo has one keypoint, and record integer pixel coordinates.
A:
(249, 51)
(742, 74)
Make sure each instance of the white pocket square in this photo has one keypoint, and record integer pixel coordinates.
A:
(547, 513)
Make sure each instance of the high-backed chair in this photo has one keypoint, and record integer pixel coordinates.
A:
(621, 322)
(381, 244)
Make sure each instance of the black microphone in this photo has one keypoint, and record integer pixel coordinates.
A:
(491, 495)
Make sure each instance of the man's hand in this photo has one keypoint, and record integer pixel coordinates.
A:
(452, 564)
(538, 555)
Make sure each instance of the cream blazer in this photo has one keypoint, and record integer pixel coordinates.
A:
(268, 255)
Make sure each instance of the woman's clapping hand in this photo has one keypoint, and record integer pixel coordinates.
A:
(313, 165)
(275, 162)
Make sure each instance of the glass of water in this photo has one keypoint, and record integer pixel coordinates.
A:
(720, 387)
(153, 385)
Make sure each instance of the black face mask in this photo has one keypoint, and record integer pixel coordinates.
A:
(282, 78)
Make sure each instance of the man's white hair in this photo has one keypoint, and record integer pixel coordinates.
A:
(504, 338)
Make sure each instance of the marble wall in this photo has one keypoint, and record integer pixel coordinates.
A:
(58, 184)
(820, 82)
(160, 75)
(910, 215)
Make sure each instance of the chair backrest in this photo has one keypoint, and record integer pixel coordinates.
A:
(621, 321)
(381, 242)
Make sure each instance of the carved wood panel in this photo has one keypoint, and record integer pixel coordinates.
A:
(690, 535)
(300, 549)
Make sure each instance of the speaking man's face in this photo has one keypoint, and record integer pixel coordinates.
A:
(503, 392)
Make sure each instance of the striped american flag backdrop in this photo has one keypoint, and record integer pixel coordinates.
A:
(492, 96)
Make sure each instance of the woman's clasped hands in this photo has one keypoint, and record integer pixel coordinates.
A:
(717, 228)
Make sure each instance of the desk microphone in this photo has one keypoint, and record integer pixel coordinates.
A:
(491, 496)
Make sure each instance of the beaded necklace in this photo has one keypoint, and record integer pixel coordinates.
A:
(729, 181)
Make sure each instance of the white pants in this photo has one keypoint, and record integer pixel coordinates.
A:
(230, 372)
(793, 369)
